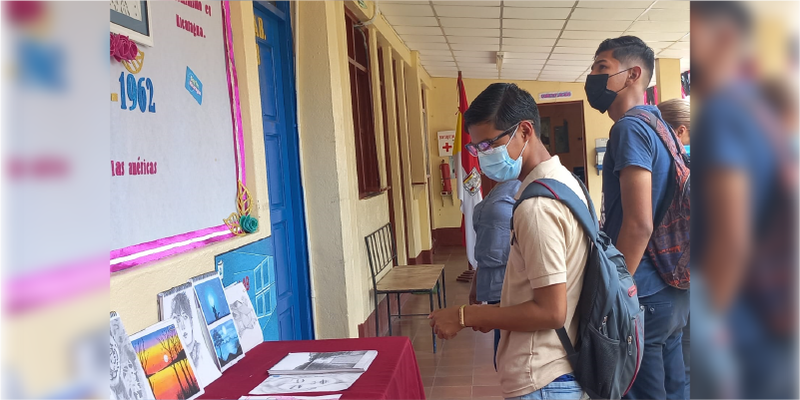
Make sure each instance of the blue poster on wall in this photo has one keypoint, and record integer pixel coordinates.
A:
(194, 86)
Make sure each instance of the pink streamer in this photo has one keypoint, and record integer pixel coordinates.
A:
(238, 139)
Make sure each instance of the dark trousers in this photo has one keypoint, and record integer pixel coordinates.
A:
(662, 374)
(496, 339)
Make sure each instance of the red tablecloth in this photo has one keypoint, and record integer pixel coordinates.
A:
(394, 375)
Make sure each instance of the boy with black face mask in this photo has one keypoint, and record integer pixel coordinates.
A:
(636, 170)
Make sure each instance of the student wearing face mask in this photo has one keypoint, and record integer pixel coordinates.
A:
(636, 172)
(547, 256)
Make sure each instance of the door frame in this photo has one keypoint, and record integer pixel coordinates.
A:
(579, 103)
(305, 313)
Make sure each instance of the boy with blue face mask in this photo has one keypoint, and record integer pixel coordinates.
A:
(635, 175)
(547, 257)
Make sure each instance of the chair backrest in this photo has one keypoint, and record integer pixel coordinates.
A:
(380, 250)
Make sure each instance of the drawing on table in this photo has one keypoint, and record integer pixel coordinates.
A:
(244, 316)
(128, 381)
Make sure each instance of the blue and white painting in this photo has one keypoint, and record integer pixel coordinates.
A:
(211, 296)
(226, 343)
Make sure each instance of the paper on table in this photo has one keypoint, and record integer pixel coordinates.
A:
(330, 362)
(328, 397)
(277, 384)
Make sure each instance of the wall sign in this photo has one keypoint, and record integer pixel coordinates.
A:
(176, 159)
(194, 86)
(555, 95)
(446, 140)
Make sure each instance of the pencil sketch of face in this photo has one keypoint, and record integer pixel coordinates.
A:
(182, 315)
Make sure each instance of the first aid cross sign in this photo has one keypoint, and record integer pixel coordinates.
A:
(446, 139)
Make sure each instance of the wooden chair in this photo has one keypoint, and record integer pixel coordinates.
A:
(400, 279)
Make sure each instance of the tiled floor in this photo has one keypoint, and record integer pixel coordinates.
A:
(462, 368)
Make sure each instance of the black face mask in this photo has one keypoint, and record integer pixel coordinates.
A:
(598, 95)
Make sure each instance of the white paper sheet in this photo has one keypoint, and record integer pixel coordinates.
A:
(329, 362)
(328, 397)
(244, 316)
(278, 384)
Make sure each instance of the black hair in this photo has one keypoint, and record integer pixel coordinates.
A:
(733, 11)
(630, 48)
(503, 105)
(181, 304)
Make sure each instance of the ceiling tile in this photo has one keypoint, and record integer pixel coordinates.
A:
(675, 5)
(586, 43)
(435, 53)
(580, 63)
(481, 3)
(537, 13)
(575, 25)
(527, 49)
(570, 70)
(475, 47)
(532, 24)
(439, 64)
(427, 46)
(403, 2)
(526, 56)
(666, 15)
(417, 30)
(472, 32)
(412, 21)
(601, 14)
(406, 10)
(528, 42)
(473, 40)
(539, 4)
(589, 51)
(425, 58)
(660, 26)
(679, 46)
(595, 35)
(588, 58)
(488, 55)
(685, 38)
(450, 22)
(423, 39)
(476, 60)
(467, 11)
(614, 4)
(658, 37)
(556, 78)
(530, 33)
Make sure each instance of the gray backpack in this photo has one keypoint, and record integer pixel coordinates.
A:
(610, 342)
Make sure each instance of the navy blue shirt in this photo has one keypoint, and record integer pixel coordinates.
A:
(633, 143)
(492, 223)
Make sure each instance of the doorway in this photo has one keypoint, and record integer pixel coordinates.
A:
(563, 134)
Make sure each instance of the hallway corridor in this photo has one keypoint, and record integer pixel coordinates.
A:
(462, 368)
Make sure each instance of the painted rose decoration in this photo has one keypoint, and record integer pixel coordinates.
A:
(123, 48)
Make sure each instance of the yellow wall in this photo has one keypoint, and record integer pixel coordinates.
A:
(443, 106)
(668, 79)
(133, 292)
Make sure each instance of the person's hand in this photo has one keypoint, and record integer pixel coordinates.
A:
(473, 291)
(482, 329)
(445, 322)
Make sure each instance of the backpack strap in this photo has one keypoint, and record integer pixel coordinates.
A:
(556, 190)
(553, 189)
(652, 121)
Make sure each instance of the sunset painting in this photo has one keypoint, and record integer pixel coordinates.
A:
(165, 364)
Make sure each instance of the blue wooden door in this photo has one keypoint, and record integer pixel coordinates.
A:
(277, 269)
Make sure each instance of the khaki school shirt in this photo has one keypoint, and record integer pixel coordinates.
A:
(551, 248)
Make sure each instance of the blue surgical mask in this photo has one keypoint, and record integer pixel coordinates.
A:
(687, 149)
(498, 165)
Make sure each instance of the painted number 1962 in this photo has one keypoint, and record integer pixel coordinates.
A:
(136, 93)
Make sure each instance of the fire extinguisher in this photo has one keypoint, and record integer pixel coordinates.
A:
(447, 188)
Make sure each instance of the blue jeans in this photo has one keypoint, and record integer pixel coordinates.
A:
(564, 387)
(662, 374)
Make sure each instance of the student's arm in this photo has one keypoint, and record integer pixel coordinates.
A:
(727, 238)
(637, 214)
(548, 310)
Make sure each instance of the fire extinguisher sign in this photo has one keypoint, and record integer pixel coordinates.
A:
(446, 139)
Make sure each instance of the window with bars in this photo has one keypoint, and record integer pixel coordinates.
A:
(369, 180)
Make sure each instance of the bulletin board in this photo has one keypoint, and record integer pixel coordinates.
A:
(177, 151)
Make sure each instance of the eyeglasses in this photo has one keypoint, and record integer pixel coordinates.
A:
(485, 146)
